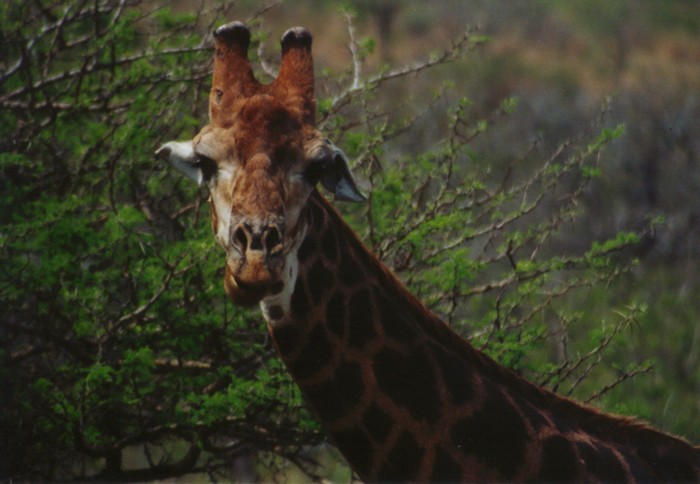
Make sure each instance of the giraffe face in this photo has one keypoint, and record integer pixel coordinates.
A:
(260, 157)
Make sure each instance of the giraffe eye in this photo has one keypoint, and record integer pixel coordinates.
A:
(207, 166)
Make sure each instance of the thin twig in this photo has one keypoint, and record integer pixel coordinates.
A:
(356, 61)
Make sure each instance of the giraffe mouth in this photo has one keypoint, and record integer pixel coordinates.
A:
(247, 293)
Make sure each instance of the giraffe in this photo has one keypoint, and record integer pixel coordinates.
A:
(402, 396)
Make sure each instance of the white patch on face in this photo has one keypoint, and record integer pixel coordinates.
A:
(221, 202)
(282, 300)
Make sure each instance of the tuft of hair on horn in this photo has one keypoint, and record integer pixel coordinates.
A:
(234, 33)
(296, 36)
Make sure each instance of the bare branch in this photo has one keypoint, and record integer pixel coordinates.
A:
(356, 62)
(622, 378)
(464, 44)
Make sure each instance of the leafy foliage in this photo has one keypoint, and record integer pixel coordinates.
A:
(115, 332)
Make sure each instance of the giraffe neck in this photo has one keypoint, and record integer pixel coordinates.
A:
(405, 398)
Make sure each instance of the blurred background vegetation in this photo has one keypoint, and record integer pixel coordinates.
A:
(536, 182)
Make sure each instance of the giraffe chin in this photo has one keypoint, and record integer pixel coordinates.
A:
(247, 294)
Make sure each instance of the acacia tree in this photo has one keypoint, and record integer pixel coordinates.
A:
(116, 335)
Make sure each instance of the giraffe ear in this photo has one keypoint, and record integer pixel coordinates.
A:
(182, 156)
(337, 178)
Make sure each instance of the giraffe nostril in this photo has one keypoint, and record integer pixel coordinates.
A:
(268, 240)
(273, 239)
(240, 239)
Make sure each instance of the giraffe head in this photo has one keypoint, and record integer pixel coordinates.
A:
(260, 157)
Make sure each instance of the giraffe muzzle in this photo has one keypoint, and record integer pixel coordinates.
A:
(255, 262)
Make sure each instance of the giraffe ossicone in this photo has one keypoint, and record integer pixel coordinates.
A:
(402, 396)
